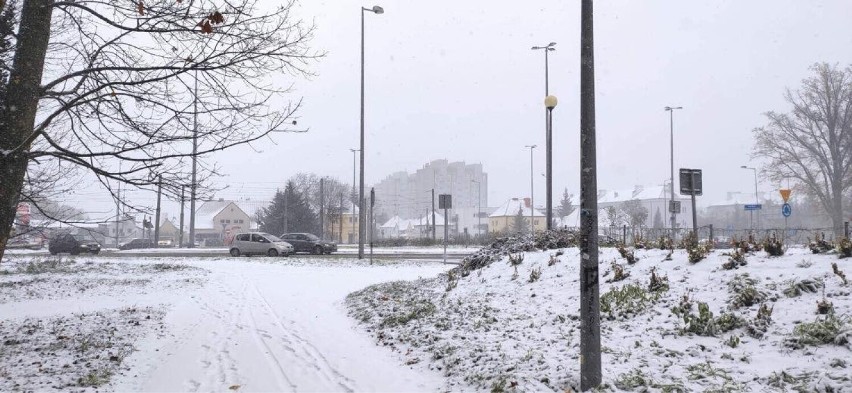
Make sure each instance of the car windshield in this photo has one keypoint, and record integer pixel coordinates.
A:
(271, 237)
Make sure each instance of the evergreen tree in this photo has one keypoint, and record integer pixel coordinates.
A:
(658, 219)
(566, 206)
(289, 212)
(520, 225)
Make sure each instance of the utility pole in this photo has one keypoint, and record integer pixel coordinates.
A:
(433, 215)
(354, 166)
(322, 208)
(193, 186)
(180, 232)
(340, 229)
(671, 110)
(157, 219)
(590, 323)
(286, 203)
(532, 192)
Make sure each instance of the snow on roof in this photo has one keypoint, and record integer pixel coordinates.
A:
(393, 222)
(511, 207)
(208, 210)
(252, 207)
(571, 221)
(638, 192)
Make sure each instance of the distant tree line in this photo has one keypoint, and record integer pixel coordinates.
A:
(303, 203)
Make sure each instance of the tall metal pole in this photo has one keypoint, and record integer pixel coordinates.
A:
(756, 197)
(193, 186)
(549, 164)
(671, 110)
(532, 192)
(433, 215)
(361, 212)
(157, 219)
(322, 208)
(354, 170)
(180, 231)
(590, 324)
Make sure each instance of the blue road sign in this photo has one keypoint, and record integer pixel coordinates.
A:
(786, 210)
(753, 207)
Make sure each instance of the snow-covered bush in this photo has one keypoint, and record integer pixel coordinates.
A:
(658, 283)
(743, 291)
(796, 288)
(773, 246)
(844, 248)
(705, 324)
(735, 260)
(628, 254)
(760, 324)
(627, 301)
(839, 273)
(830, 329)
(819, 245)
(618, 273)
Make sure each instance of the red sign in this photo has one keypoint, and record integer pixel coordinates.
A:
(23, 213)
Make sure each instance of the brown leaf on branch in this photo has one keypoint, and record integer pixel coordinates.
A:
(216, 18)
(140, 8)
(206, 28)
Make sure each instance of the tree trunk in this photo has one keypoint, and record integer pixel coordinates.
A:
(17, 117)
(837, 210)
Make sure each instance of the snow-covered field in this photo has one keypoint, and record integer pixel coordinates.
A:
(500, 328)
(184, 324)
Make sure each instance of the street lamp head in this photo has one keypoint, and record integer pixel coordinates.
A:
(378, 10)
(744, 167)
(536, 48)
(550, 102)
(552, 44)
(670, 108)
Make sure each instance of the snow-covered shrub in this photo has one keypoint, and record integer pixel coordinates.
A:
(629, 300)
(515, 261)
(825, 307)
(535, 274)
(773, 246)
(839, 273)
(618, 273)
(704, 324)
(631, 380)
(760, 324)
(844, 248)
(743, 292)
(733, 341)
(627, 254)
(665, 243)
(452, 280)
(658, 283)
(819, 245)
(796, 288)
(830, 329)
(805, 263)
(735, 260)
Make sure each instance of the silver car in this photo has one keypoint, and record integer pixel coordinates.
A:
(259, 243)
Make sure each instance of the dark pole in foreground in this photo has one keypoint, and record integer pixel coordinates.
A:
(433, 215)
(590, 322)
(362, 214)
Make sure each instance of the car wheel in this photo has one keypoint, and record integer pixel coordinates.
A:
(235, 252)
(96, 252)
(318, 250)
(272, 252)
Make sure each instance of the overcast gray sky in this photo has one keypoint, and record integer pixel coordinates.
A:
(457, 80)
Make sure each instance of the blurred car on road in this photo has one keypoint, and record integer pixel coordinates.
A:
(259, 243)
(66, 242)
(308, 242)
(136, 244)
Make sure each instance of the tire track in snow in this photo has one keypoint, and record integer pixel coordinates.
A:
(310, 355)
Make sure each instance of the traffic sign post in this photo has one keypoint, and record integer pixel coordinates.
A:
(786, 209)
(445, 201)
(690, 184)
(752, 207)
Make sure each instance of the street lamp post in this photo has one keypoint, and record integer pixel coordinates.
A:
(532, 191)
(478, 207)
(671, 110)
(756, 198)
(361, 213)
(548, 131)
(354, 166)
(549, 103)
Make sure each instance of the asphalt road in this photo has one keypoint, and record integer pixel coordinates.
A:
(452, 257)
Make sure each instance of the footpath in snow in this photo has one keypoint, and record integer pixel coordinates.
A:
(767, 324)
(178, 324)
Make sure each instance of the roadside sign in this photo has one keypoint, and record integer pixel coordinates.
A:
(674, 207)
(445, 201)
(785, 194)
(786, 210)
(690, 182)
(751, 207)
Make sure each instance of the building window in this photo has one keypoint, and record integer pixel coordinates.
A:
(227, 221)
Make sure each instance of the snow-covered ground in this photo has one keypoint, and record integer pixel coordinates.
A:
(183, 324)
(499, 328)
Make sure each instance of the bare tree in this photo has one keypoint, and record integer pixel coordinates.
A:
(132, 90)
(812, 145)
(308, 184)
(635, 213)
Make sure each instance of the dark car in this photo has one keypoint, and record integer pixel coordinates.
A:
(67, 242)
(136, 243)
(308, 242)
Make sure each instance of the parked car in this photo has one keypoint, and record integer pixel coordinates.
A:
(136, 244)
(166, 243)
(67, 242)
(308, 242)
(259, 243)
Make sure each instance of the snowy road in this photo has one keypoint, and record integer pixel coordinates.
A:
(240, 324)
(271, 327)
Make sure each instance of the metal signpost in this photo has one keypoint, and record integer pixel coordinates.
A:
(372, 204)
(690, 184)
(445, 201)
(786, 209)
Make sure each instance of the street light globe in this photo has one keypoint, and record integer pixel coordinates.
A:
(378, 10)
(550, 102)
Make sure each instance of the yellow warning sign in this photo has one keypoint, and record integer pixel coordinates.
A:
(785, 194)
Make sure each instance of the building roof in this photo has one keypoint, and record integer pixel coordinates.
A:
(638, 192)
(207, 212)
(511, 207)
